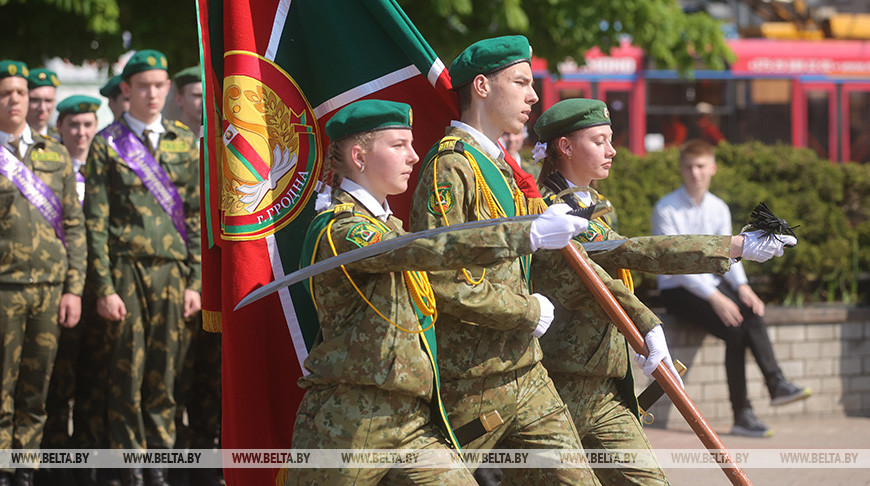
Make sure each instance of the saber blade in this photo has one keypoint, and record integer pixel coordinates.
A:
(389, 245)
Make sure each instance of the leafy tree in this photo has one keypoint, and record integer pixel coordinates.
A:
(79, 30)
(567, 28)
(32, 30)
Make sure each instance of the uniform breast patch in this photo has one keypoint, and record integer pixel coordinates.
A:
(174, 146)
(595, 232)
(440, 201)
(365, 233)
(44, 156)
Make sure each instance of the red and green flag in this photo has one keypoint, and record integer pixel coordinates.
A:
(275, 71)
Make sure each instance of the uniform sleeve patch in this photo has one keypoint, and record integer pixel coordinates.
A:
(365, 233)
(440, 201)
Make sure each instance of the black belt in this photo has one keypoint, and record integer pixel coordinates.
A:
(477, 427)
(652, 393)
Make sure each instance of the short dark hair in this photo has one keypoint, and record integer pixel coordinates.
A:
(465, 91)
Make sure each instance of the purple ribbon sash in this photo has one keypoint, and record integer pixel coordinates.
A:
(34, 190)
(140, 160)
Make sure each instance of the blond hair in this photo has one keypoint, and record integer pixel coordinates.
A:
(338, 154)
(695, 148)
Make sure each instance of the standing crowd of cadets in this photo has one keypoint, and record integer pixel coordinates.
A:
(101, 281)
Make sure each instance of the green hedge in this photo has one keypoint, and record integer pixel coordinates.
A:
(830, 202)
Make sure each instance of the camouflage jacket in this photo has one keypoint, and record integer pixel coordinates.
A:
(484, 328)
(355, 344)
(582, 338)
(124, 218)
(30, 251)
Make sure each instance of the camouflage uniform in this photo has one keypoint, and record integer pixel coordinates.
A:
(35, 270)
(587, 355)
(198, 388)
(61, 389)
(136, 252)
(489, 358)
(371, 383)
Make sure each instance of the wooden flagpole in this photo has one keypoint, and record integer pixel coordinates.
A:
(677, 394)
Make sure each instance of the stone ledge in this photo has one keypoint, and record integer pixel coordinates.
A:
(826, 347)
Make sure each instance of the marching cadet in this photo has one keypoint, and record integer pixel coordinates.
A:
(142, 211)
(585, 353)
(374, 380)
(77, 125)
(43, 91)
(490, 320)
(42, 264)
(118, 102)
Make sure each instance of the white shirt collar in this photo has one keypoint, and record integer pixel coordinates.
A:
(26, 137)
(77, 164)
(492, 149)
(138, 126)
(362, 195)
(584, 196)
(688, 197)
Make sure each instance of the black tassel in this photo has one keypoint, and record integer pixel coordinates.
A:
(763, 219)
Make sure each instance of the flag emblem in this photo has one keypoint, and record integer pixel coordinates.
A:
(272, 159)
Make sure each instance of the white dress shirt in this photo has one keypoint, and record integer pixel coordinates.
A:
(26, 140)
(362, 195)
(491, 148)
(138, 126)
(677, 214)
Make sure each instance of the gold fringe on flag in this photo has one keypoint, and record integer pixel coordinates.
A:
(211, 321)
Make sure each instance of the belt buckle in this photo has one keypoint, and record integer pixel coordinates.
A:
(490, 420)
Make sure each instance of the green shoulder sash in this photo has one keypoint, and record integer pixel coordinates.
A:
(493, 179)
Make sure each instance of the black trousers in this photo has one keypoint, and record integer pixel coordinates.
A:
(752, 334)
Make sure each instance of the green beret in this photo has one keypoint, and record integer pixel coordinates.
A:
(144, 60)
(187, 76)
(40, 77)
(76, 104)
(368, 115)
(13, 68)
(489, 55)
(112, 88)
(569, 115)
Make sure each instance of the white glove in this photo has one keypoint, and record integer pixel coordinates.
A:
(658, 352)
(555, 228)
(759, 247)
(547, 315)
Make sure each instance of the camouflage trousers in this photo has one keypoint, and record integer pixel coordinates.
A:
(143, 353)
(199, 378)
(91, 375)
(29, 326)
(366, 417)
(61, 390)
(534, 418)
(604, 422)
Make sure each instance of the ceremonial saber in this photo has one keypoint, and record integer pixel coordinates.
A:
(676, 393)
(404, 240)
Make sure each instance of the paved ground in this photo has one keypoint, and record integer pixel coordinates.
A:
(844, 433)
